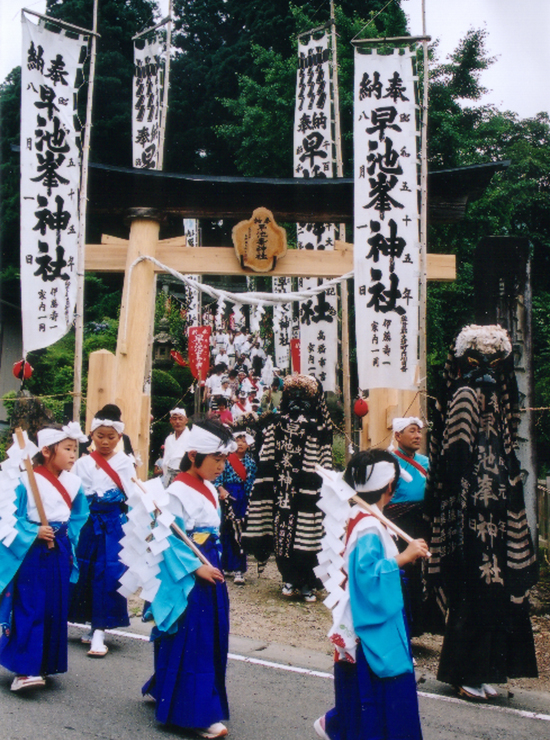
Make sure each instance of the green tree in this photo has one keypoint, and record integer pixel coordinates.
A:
(259, 128)
(452, 124)
(516, 203)
(118, 22)
(10, 124)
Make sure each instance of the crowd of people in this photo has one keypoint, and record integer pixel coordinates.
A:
(242, 379)
(238, 487)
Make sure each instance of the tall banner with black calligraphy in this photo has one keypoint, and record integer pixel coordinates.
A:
(51, 73)
(193, 299)
(314, 157)
(386, 239)
(282, 324)
(147, 102)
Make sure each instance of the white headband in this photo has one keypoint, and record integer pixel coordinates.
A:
(118, 426)
(207, 443)
(379, 475)
(248, 437)
(72, 430)
(178, 411)
(402, 423)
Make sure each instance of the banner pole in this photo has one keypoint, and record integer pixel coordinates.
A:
(346, 376)
(79, 314)
(165, 88)
(423, 225)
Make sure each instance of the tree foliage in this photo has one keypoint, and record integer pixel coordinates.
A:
(259, 128)
(118, 22)
(516, 202)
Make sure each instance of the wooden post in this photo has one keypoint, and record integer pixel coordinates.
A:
(101, 382)
(385, 404)
(133, 332)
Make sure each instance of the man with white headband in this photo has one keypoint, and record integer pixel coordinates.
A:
(369, 629)
(107, 480)
(407, 510)
(36, 557)
(191, 608)
(175, 445)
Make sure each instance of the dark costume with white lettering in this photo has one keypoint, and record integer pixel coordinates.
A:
(283, 514)
(483, 562)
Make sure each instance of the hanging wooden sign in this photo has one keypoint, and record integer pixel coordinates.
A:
(259, 242)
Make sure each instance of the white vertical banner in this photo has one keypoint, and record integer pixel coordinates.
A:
(386, 239)
(192, 234)
(319, 334)
(282, 324)
(314, 157)
(51, 72)
(147, 101)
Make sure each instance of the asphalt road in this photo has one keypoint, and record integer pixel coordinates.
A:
(274, 693)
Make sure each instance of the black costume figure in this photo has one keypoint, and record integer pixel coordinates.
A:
(283, 516)
(483, 561)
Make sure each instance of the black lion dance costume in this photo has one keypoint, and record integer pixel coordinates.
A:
(483, 562)
(283, 516)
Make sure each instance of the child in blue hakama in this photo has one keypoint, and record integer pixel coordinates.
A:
(234, 486)
(107, 480)
(374, 680)
(34, 578)
(191, 607)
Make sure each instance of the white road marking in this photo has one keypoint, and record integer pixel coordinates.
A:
(323, 674)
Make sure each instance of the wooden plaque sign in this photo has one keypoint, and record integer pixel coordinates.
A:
(259, 242)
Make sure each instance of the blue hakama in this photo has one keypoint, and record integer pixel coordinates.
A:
(37, 640)
(190, 664)
(372, 708)
(95, 598)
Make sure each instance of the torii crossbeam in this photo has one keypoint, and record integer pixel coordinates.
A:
(121, 377)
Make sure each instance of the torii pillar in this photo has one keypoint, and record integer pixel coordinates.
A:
(122, 378)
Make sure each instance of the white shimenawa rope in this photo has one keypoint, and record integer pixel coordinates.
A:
(249, 299)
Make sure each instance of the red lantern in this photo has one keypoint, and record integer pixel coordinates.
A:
(360, 408)
(22, 370)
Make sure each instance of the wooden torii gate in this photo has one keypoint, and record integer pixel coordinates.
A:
(120, 378)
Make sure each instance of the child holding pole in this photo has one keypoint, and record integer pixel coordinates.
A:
(37, 553)
(191, 607)
(374, 679)
(107, 480)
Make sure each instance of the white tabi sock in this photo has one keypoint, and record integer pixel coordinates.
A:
(98, 641)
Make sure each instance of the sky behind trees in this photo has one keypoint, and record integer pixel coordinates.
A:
(518, 36)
